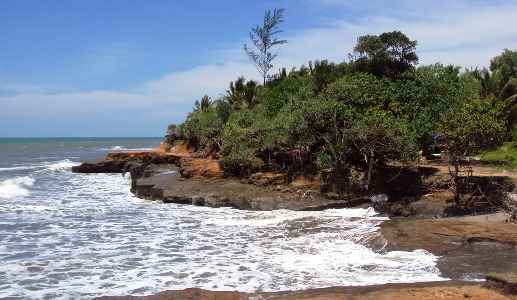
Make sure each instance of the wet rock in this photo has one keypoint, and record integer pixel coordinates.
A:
(263, 179)
(106, 165)
(504, 282)
(171, 188)
(399, 209)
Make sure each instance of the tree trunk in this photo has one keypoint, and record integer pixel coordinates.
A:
(456, 180)
(370, 170)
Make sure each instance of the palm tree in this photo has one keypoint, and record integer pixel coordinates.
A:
(205, 103)
(508, 94)
(489, 87)
(243, 94)
(488, 82)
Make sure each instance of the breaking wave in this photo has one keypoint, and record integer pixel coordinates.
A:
(62, 165)
(15, 187)
(122, 148)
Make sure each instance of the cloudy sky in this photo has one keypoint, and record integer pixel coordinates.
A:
(131, 67)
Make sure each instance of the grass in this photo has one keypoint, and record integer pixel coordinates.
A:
(505, 157)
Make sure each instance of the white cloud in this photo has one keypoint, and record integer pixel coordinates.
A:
(109, 57)
(14, 88)
(466, 35)
(462, 34)
(153, 105)
(191, 85)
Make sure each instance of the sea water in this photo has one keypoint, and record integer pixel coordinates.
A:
(67, 235)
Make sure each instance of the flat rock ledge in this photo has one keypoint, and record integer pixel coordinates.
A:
(185, 180)
(171, 188)
(506, 283)
(421, 290)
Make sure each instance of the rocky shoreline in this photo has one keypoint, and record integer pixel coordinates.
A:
(179, 179)
(460, 242)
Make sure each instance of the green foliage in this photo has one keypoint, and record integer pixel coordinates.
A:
(475, 126)
(263, 38)
(324, 161)
(239, 146)
(489, 83)
(389, 54)
(290, 90)
(362, 91)
(346, 120)
(173, 133)
(506, 65)
(508, 92)
(504, 156)
(423, 98)
(380, 137)
(204, 104)
(202, 127)
(243, 94)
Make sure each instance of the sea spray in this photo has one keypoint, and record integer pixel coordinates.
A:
(15, 187)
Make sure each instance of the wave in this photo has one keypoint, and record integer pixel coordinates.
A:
(15, 187)
(62, 165)
(122, 148)
(16, 168)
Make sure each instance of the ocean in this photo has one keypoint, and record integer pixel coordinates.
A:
(76, 236)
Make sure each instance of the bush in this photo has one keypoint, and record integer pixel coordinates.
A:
(202, 127)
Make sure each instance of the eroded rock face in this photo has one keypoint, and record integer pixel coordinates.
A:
(172, 188)
(106, 165)
(159, 176)
(180, 178)
(121, 162)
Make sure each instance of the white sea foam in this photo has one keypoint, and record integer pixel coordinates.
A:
(90, 236)
(15, 187)
(122, 148)
(15, 168)
(63, 165)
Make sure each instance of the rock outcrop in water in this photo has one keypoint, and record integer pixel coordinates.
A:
(163, 176)
(181, 178)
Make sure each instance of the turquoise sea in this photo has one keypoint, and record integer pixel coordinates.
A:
(75, 236)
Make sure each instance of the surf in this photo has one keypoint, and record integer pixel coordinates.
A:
(15, 187)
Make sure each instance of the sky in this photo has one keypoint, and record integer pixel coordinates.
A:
(129, 68)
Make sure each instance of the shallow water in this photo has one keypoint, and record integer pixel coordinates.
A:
(66, 235)
(475, 260)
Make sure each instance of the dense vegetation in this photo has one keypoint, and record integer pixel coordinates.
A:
(347, 119)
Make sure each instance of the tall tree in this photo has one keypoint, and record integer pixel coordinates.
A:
(506, 64)
(476, 125)
(389, 54)
(263, 38)
(488, 82)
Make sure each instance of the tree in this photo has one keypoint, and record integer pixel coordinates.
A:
(202, 127)
(379, 137)
(476, 125)
(389, 54)
(204, 104)
(506, 64)
(242, 94)
(488, 82)
(263, 39)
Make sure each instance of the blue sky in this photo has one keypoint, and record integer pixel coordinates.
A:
(130, 68)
